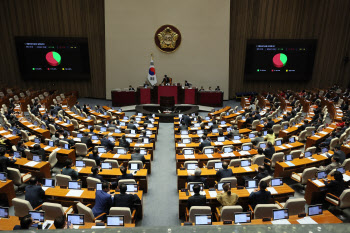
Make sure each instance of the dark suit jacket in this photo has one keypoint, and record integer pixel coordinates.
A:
(186, 120)
(196, 200)
(87, 141)
(335, 187)
(124, 143)
(270, 124)
(4, 163)
(132, 126)
(70, 172)
(35, 195)
(204, 144)
(39, 152)
(122, 177)
(138, 157)
(268, 152)
(106, 143)
(341, 155)
(198, 179)
(126, 200)
(96, 158)
(260, 197)
(183, 127)
(260, 176)
(223, 173)
(97, 177)
(103, 203)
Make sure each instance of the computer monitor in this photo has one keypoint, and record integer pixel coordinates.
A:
(227, 113)
(262, 122)
(133, 166)
(79, 163)
(307, 154)
(218, 165)
(291, 139)
(51, 143)
(125, 118)
(276, 182)
(74, 184)
(228, 149)
(265, 132)
(4, 212)
(17, 154)
(132, 188)
(243, 117)
(188, 151)
(245, 163)
(150, 126)
(49, 182)
(280, 214)
(201, 185)
(68, 121)
(207, 118)
(229, 129)
(36, 158)
(14, 132)
(186, 140)
(221, 184)
(202, 219)
(132, 131)
(262, 145)
(246, 147)
(128, 140)
(249, 184)
(200, 132)
(111, 139)
(60, 118)
(236, 137)
(180, 115)
(209, 151)
(115, 220)
(35, 123)
(94, 137)
(79, 135)
(223, 122)
(278, 142)
(148, 132)
(192, 166)
(76, 219)
(242, 217)
(3, 176)
(143, 151)
(146, 140)
(117, 131)
(101, 150)
(137, 125)
(288, 157)
(193, 114)
(103, 129)
(324, 150)
(98, 186)
(89, 117)
(37, 140)
(37, 215)
(121, 151)
(321, 175)
(215, 131)
(184, 132)
(197, 125)
(105, 165)
(221, 139)
(251, 135)
(122, 123)
(66, 146)
(314, 210)
(139, 114)
(341, 170)
(285, 127)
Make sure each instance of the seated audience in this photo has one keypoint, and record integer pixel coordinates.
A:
(226, 198)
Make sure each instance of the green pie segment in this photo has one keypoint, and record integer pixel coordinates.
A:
(279, 60)
(53, 58)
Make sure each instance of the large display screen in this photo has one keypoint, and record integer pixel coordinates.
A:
(284, 60)
(53, 58)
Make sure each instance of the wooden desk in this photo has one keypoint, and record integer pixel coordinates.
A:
(62, 154)
(216, 113)
(112, 174)
(14, 139)
(237, 143)
(283, 193)
(42, 133)
(289, 146)
(231, 117)
(40, 170)
(7, 191)
(312, 140)
(114, 112)
(100, 115)
(80, 119)
(346, 148)
(283, 170)
(210, 174)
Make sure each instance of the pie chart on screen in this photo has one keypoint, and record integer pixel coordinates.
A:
(279, 60)
(53, 58)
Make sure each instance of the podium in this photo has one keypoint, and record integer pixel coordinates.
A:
(168, 91)
(167, 101)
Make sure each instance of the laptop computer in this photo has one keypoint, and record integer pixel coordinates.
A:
(17, 154)
(228, 149)
(143, 151)
(262, 145)
(98, 186)
(49, 183)
(242, 217)
(215, 131)
(203, 219)
(251, 135)
(288, 158)
(265, 132)
(4, 212)
(191, 166)
(246, 148)
(251, 184)
(200, 184)
(186, 140)
(3, 176)
(218, 165)
(117, 131)
(280, 214)
(237, 137)
(37, 140)
(105, 165)
(79, 135)
(321, 175)
(278, 142)
(221, 139)
(307, 154)
(221, 184)
(146, 140)
(74, 185)
(276, 182)
(132, 188)
(134, 166)
(37, 215)
(101, 150)
(188, 151)
(209, 151)
(115, 220)
(94, 137)
(76, 219)
(79, 163)
(121, 151)
(37, 158)
(51, 143)
(245, 163)
(313, 210)
(103, 129)
(66, 146)
(341, 170)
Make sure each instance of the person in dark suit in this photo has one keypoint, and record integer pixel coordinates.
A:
(103, 200)
(198, 178)
(205, 142)
(328, 140)
(224, 172)
(187, 84)
(34, 193)
(95, 174)
(250, 119)
(26, 222)
(260, 197)
(86, 140)
(124, 176)
(37, 150)
(215, 125)
(131, 125)
(66, 139)
(137, 156)
(269, 151)
(124, 143)
(94, 156)
(60, 222)
(339, 153)
(166, 80)
(4, 161)
(262, 173)
(125, 200)
(270, 123)
(183, 127)
(21, 147)
(85, 109)
(336, 186)
(303, 127)
(107, 143)
(196, 199)
(186, 119)
(77, 105)
(69, 171)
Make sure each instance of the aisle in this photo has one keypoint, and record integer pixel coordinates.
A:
(161, 201)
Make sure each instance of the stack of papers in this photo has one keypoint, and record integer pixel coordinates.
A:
(31, 164)
(250, 190)
(312, 159)
(116, 156)
(227, 155)
(306, 220)
(317, 136)
(74, 193)
(323, 132)
(346, 178)
(189, 156)
(272, 190)
(139, 144)
(282, 147)
(236, 141)
(8, 135)
(248, 169)
(212, 193)
(209, 156)
(3, 131)
(281, 221)
(57, 149)
(244, 152)
(218, 143)
(318, 183)
(181, 144)
(289, 146)
(290, 164)
(79, 169)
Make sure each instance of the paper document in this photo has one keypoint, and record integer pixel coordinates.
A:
(325, 155)
(190, 172)
(290, 164)
(3, 131)
(47, 222)
(323, 132)
(248, 169)
(212, 193)
(313, 159)
(306, 220)
(244, 152)
(98, 227)
(289, 146)
(95, 141)
(189, 156)
(75, 227)
(282, 147)
(318, 183)
(8, 135)
(139, 144)
(185, 136)
(209, 156)
(218, 143)
(31, 164)
(116, 156)
(346, 178)
(64, 124)
(228, 155)
(281, 221)
(236, 141)
(250, 190)
(317, 136)
(45, 188)
(74, 193)
(181, 145)
(30, 125)
(57, 149)
(79, 169)
(272, 190)
(47, 147)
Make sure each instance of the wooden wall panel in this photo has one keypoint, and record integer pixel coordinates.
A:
(60, 18)
(325, 20)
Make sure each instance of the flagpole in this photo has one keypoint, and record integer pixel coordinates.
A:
(152, 56)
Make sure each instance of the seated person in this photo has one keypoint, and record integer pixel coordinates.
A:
(37, 150)
(187, 84)
(34, 193)
(66, 139)
(131, 88)
(226, 198)
(270, 136)
(269, 123)
(260, 197)
(204, 143)
(95, 170)
(198, 178)
(196, 199)
(60, 223)
(103, 201)
(262, 173)
(26, 222)
(201, 89)
(131, 125)
(94, 155)
(258, 139)
(333, 165)
(217, 88)
(86, 140)
(124, 176)
(224, 172)
(4, 161)
(21, 147)
(336, 186)
(69, 171)
(105, 142)
(166, 80)
(56, 138)
(137, 156)
(339, 153)
(269, 151)
(124, 143)
(125, 200)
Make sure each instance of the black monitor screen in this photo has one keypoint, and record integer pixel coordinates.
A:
(53, 58)
(284, 60)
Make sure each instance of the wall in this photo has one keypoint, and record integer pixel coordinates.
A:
(202, 58)
(70, 18)
(325, 20)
